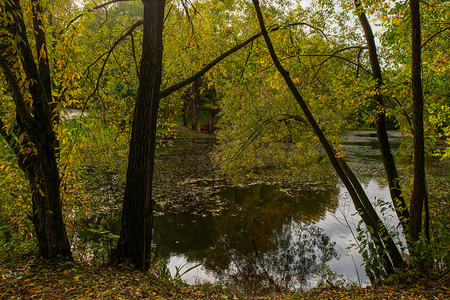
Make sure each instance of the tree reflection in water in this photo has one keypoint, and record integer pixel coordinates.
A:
(264, 240)
(296, 253)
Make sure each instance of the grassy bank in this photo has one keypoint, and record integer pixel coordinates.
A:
(40, 280)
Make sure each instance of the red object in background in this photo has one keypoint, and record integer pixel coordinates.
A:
(204, 127)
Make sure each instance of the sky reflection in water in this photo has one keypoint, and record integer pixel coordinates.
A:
(265, 240)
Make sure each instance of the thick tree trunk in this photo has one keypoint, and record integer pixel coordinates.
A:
(137, 215)
(47, 217)
(39, 164)
(419, 187)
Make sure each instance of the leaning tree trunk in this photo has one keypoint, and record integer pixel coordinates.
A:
(353, 190)
(380, 124)
(137, 214)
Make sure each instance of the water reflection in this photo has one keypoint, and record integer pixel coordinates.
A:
(263, 241)
(257, 238)
(294, 255)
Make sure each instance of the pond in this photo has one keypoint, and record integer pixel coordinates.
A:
(260, 237)
(263, 238)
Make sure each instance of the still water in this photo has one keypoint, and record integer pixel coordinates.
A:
(259, 238)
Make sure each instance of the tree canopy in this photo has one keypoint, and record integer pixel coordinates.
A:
(279, 82)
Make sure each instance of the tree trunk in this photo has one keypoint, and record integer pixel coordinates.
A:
(47, 217)
(380, 124)
(419, 188)
(212, 113)
(39, 163)
(385, 240)
(365, 215)
(137, 214)
(195, 103)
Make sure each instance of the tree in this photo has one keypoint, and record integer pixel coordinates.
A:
(386, 248)
(137, 215)
(419, 188)
(33, 136)
(380, 122)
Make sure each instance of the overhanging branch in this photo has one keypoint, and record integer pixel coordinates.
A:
(333, 55)
(169, 90)
(431, 37)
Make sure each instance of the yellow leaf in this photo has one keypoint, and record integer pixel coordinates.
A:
(42, 53)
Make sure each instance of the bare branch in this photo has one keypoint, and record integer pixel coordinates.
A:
(253, 135)
(167, 91)
(405, 114)
(246, 60)
(431, 37)
(91, 10)
(168, 13)
(329, 56)
(106, 18)
(358, 62)
(305, 24)
(129, 32)
(297, 118)
(320, 55)
(108, 53)
(260, 125)
(133, 49)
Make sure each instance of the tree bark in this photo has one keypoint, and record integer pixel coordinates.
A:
(195, 103)
(385, 238)
(47, 216)
(39, 164)
(380, 123)
(137, 214)
(419, 187)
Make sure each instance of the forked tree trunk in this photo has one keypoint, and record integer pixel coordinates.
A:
(137, 213)
(34, 131)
